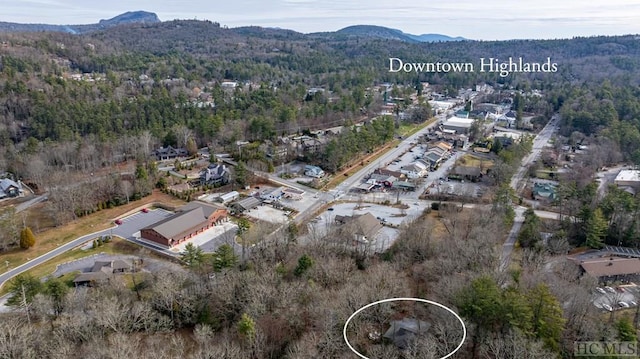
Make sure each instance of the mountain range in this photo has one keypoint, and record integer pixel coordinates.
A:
(130, 17)
(394, 34)
(144, 17)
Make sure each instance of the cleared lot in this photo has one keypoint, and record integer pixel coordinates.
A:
(268, 214)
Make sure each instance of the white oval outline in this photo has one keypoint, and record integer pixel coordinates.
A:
(464, 327)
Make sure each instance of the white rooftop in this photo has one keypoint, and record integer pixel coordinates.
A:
(458, 122)
(628, 176)
(512, 135)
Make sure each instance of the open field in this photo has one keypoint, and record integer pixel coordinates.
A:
(52, 238)
(473, 161)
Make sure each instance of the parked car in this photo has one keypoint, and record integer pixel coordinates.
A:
(330, 209)
(607, 307)
(609, 289)
(623, 304)
(621, 289)
(600, 290)
(633, 303)
(145, 210)
(118, 221)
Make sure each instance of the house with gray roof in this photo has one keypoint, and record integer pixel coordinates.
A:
(215, 174)
(404, 332)
(245, 204)
(9, 188)
(102, 272)
(365, 227)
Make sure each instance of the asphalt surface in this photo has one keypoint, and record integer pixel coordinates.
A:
(129, 226)
(517, 183)
(540, 141)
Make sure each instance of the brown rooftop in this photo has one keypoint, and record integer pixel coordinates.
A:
(611, 266)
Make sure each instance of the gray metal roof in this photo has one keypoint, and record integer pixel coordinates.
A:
(179, 223)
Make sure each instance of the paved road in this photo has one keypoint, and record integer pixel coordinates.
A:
(130, 225)
(507, 247)
(518, 182)
(37, 199)
(323, 198)
(540, 141)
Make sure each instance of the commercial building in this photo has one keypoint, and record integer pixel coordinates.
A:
(190, 220)
(458, 124)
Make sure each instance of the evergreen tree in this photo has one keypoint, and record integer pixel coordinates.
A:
(304, 263)
(626, 331)
(27, 239)
(56, 290)
(22, 289)
(529, 235)
(596, 229)
(192, 256)
(547, 321)
(247, 327)
(224, 257)
(241, 174)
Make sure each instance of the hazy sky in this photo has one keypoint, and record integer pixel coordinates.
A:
(474, 19)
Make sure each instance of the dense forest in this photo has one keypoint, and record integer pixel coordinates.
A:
(72, 105)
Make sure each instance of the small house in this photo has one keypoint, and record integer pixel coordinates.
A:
(9, 188)
(544, 191)
(404, 332)
(313, 171)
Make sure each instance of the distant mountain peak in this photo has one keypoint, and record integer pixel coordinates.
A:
(394, 34)
(131, 17)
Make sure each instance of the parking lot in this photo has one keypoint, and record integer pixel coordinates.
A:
(610, 298)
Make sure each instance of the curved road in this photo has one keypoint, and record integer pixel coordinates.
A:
(129, 226)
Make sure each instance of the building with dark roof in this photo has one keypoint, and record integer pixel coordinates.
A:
(190, 220)
(611, 269)
(245, 204)
(470, 173)
(169, 153)
(102, 271)
(403, 332)
(215, 174)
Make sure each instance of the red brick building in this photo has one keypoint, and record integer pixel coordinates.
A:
(191, 219)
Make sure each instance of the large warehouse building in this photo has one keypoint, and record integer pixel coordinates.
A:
(191, 219)
(458, 124)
